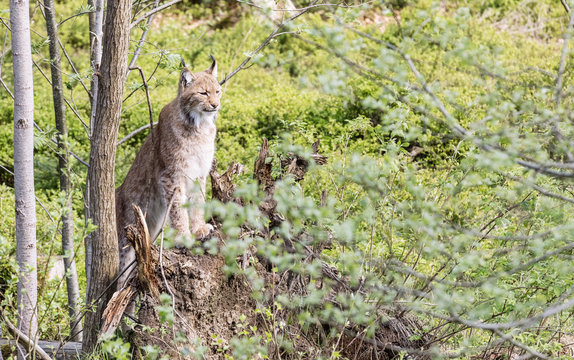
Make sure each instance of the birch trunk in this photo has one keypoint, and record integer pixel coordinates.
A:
(111, 80)
(64, 172)
(24, 168)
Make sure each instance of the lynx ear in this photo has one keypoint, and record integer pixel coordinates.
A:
(186, 78)
(213, 68)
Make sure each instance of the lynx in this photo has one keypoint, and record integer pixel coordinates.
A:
(178, 154)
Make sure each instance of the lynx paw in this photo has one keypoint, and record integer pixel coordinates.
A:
(202, 230)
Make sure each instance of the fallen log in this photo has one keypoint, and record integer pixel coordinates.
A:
(54, 349)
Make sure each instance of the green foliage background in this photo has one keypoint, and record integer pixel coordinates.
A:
(422, 226)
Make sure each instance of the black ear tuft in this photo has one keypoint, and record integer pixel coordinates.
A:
(182, 62)
(213, 68)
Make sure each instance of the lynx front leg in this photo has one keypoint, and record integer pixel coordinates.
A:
(198, 225)
(177, 215)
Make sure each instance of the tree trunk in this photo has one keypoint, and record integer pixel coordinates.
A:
(24, 167)
(103, 241)
(96, 31)
(64, 172)
(96, 35)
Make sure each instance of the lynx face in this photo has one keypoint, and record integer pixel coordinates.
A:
(199, 95)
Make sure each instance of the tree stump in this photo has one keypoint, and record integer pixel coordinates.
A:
(210, 308)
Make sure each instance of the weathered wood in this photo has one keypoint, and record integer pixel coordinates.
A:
(138, 236)
(222, 186)
(55, 349)
(297, 166)
(24, 340)
(116, 308)
(263, 167)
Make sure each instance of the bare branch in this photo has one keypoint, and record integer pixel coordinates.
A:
(151, 12)
(2, 62)
(339, 5)
(520, 345)
(142, 38)
(75, 15)
(23, 338)
(271, 36)
(147, 97)
(563, 58)
(7, 89)
(540, 189)
(133, 133)
(566, 7)
(74, 68)
(38, 200)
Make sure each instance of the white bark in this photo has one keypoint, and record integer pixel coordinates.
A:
(24, 168)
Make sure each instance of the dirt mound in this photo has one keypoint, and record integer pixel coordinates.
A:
(208, 305)
(210, 312)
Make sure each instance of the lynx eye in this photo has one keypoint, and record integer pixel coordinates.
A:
(204, 93)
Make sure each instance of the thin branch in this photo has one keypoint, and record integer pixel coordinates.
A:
(148, 79)
(237, 51)
(74, 68)
(566, 7)
(403, 268)
(2, 64)
(384, 346)
(142, 38)
(66, 100)
(73, 110)
(561, 305)
(151, 12)
(540, 189)
(7, 89)
(520, 345)
(271, 36)
(147, 96)
(134, 133)
(563, 58)
(38, 200)
(73, 16)
(339, 5)
(6, 25)
(23, 338)
(161, 253)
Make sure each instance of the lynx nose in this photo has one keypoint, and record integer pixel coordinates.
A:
(214, 106)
